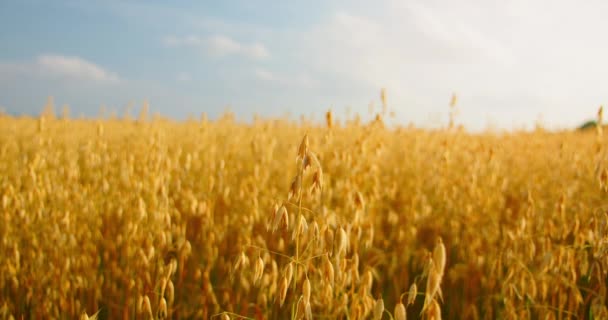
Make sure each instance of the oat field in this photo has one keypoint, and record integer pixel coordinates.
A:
(277, 219)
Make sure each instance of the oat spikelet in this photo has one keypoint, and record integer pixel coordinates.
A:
(163, 286)
(439, 256)
(283, 290)
(281, 219)
(288, 274)
(275, 218)
(162, 309)
(170, 293)
(367, 281)
(307, 311)
(147, 308)
(258, 270)
(317, 181)
(294, 189)
(241, 262)
(434, 311)
(303, 148)
(433, 284)
(378, 309)
(306, 290)
(400, 313)
(341, 243)
(300, 228)
(328, 270)
(313, 159)
(411, 295)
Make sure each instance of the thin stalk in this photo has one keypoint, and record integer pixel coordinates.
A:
(295, 269)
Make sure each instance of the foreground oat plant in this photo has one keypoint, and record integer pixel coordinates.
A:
(154, 219)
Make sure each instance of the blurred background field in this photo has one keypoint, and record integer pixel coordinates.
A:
(201, 219)
(233, 159)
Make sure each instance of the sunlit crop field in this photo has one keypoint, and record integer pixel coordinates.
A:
(278, 219)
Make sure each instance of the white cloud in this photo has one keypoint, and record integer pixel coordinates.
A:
(502, 59)
(64, 67)
(222, 45)
(183, 77)
(264, 74)
(186, 41)
(257, 50)
(300, 81)
(75, 68)
(219, 45)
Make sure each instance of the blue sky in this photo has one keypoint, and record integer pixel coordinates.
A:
(512, 63)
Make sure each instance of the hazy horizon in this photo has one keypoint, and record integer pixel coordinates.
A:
(512, 64)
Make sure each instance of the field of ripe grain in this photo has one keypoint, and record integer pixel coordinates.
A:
(279, 220)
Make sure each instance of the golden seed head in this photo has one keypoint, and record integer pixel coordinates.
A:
(283, 290)
(328, 270)
(170, 292)
(378, 309)
(367, 280)
(400, 313)
(296, 185)
(341, 243)
(434, 311)
(307, 311)
(258, 270)
(432, 285)
(303, 148)
(439, 256)
(147, 307)
(162, 309)
(306, 290)
(329, 119)
(288, 274)
(411, 295)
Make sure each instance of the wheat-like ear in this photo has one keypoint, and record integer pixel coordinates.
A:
(340, 243)
(283, 290)
(439, 256)
(328, 270)
(434, 311)
(329, 119)
(306, 290)
(411, 295)
(296, 185)
(258, 270)
(378, 309)
(303, 148)
(147, 308)
(288, 273)
(162, 309)
(84, 316)
(433, 285)
(399, 312)
(307, 311)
